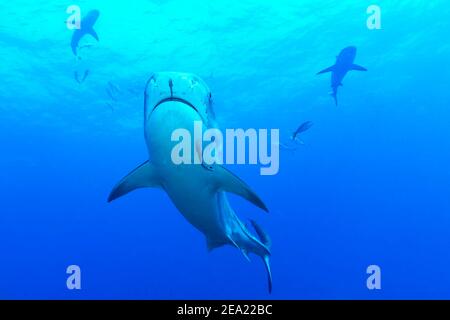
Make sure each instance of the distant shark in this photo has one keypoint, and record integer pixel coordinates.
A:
(344, 63)
(86, 27)
(173, 101)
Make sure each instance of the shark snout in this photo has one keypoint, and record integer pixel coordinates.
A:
(185, 88)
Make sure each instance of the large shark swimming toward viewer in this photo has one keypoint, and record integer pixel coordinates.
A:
(177, 100)
(86, 27)
(344, 64)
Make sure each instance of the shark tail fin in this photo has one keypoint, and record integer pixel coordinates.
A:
(329, 69)
(334, 95)
(144, 176)
(265, 239)
(358, 67)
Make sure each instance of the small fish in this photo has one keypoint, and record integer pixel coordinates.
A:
(111, 94)
(113, 91)
(289, 148)
(77, 78)
(75, 75)
(113, 87)
(86, 73)
(302, 128)
(110, 105)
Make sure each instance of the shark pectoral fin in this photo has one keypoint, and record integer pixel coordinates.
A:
(358, 68)
(227, 181)
(143, 176)
(329, 69)
(93, 33)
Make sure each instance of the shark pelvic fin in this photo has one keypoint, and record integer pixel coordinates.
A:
(329, 69)
(143, 176)
(211, 244)
(228, 182)
(358, 68)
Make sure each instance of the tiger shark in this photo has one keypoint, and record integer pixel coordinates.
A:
(86, 27)
(344, 64)
(177, 100)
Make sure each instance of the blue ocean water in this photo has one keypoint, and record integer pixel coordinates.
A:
(370, 185)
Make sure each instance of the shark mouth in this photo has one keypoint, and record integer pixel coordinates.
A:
(176, 100)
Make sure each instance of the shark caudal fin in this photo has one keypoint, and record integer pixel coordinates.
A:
(329, 69)
(267, 242)
(144, 176)
(334, 95)
(358, 67)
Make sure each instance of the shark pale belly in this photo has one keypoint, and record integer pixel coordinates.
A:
(175, 101)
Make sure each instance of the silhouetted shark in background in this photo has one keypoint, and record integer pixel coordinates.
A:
(344, 63)
(86, 27)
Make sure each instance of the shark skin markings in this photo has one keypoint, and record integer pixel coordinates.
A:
(86, 27)
(176, 100)
(344, 64)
